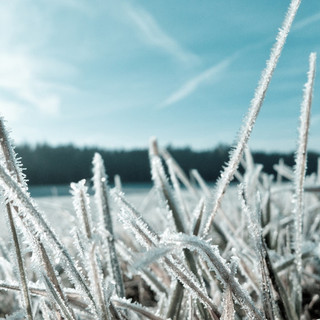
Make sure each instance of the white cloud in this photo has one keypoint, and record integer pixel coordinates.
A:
(11, 112)
(192, 85)
(28, 79)
(21, 79)
(154, 35)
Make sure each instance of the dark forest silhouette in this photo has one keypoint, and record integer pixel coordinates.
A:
(64, 164)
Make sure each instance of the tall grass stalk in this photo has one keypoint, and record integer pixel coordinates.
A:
(299, 177)
(13, 166)
(35, 221)
(20, 264)
(102, 201)
(256, 103)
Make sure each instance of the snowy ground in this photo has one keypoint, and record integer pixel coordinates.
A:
(60, 213)
(61, 216)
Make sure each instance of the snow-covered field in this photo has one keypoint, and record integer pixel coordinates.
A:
(60, 213)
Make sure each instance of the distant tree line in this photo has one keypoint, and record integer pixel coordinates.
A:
(64, 164)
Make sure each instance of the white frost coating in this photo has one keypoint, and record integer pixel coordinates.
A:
(81, 204)
(179, 172)
(46, 312)
(151, 256)
(9, 156)
(212, 256)
(228, 306)
(148, 238)
(136, 307)
(19, 261)
(189, 281)
(100, 180)
(256, 103)
(9, 160)
(196, 175)
(254, 227)
(57, 299)
(133, 219)
(102, 202)
(36, 222)
(301, 155)
(178, 194)
(300, 168)
(96, 280)
(165, 192)
(163, 187)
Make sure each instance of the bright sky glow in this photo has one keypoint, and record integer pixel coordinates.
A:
(113, 73)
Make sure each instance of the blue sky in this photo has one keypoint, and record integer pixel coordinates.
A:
(113, 73)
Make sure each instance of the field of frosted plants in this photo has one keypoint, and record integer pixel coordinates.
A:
(185, 252)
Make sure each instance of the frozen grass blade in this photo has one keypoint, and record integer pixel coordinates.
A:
(161, 182)
(137, 308)
(97, 283)
(283, 171)
(174, 305)
(20, 264)
(150, 240)
(145, 235)
(196, 175)
(73, 296)
(35, 221)
(228, 305)
(51, 275)
(11, 162)
(14, 167)
(117, 182)
(63, 307)
(45, 265)
(47, 313)
(157, 285)
(16, 192)
(285, 304)
(256, 103)
(255, 231)
(198, 215)
(180, 272)
(300, 172)
(213, 258)
(81, 204)
(178, 170)
(177, 189)
(101, 193)
(102, 201)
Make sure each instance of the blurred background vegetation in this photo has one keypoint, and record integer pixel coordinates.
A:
(46, 164)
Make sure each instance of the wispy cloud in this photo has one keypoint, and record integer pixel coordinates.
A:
(307, 21)
(11, 111)
(20, 80)
(192, 85)
(26, 77)
(154, 35)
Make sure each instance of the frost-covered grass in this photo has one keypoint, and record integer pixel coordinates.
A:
(185, 252)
